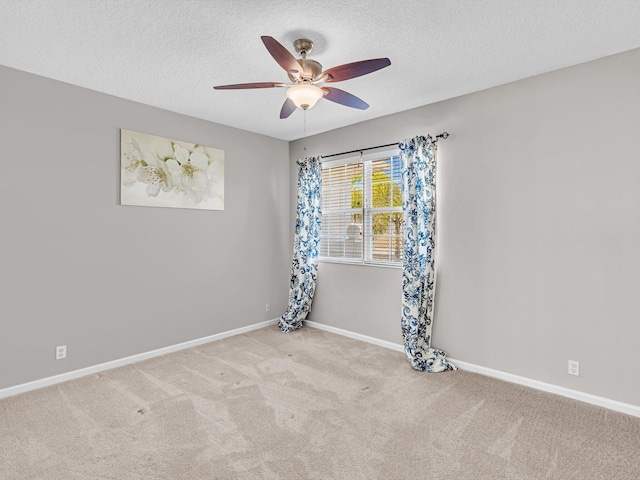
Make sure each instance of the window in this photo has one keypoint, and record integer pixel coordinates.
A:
(362, 210)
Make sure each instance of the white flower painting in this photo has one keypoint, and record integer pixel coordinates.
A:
(160, 172)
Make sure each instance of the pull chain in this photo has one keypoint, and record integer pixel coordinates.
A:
(304, 136)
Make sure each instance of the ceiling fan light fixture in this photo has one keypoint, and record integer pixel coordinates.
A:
(304, 95)
(306, 74)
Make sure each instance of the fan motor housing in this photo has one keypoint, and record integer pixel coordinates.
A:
(310, 69)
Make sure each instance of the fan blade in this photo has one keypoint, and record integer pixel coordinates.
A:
(344, 98)
(356, 69)
(287, 108)
(282, 56)
(249, 85)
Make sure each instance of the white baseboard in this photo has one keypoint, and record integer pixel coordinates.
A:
(489, 372)
(509, 377)
(551, 388)
(64, 377)
(356, 336)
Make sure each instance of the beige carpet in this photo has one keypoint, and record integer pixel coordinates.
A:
(306, 405)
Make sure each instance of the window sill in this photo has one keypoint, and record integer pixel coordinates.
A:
(359, 263)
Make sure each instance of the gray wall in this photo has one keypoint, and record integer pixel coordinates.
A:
(110, 281)
(539, 228)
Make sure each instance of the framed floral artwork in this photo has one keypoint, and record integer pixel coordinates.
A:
(160, 172)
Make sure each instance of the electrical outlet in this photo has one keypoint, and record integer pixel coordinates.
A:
(61, 352)
(574, 368)
(267, 307)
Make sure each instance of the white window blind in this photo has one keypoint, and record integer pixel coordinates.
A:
(362, 210)
(342, 189)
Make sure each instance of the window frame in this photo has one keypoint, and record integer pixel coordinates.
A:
(366, 211)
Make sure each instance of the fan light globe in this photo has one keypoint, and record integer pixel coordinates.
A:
(304, 95)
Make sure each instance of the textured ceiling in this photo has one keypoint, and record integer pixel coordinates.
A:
(171, 53)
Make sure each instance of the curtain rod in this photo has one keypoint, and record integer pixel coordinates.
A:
(443, 135)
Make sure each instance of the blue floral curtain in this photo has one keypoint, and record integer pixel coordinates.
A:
(419, 243)
(304, 266)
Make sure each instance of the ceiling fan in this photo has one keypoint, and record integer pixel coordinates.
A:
(306, 74)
